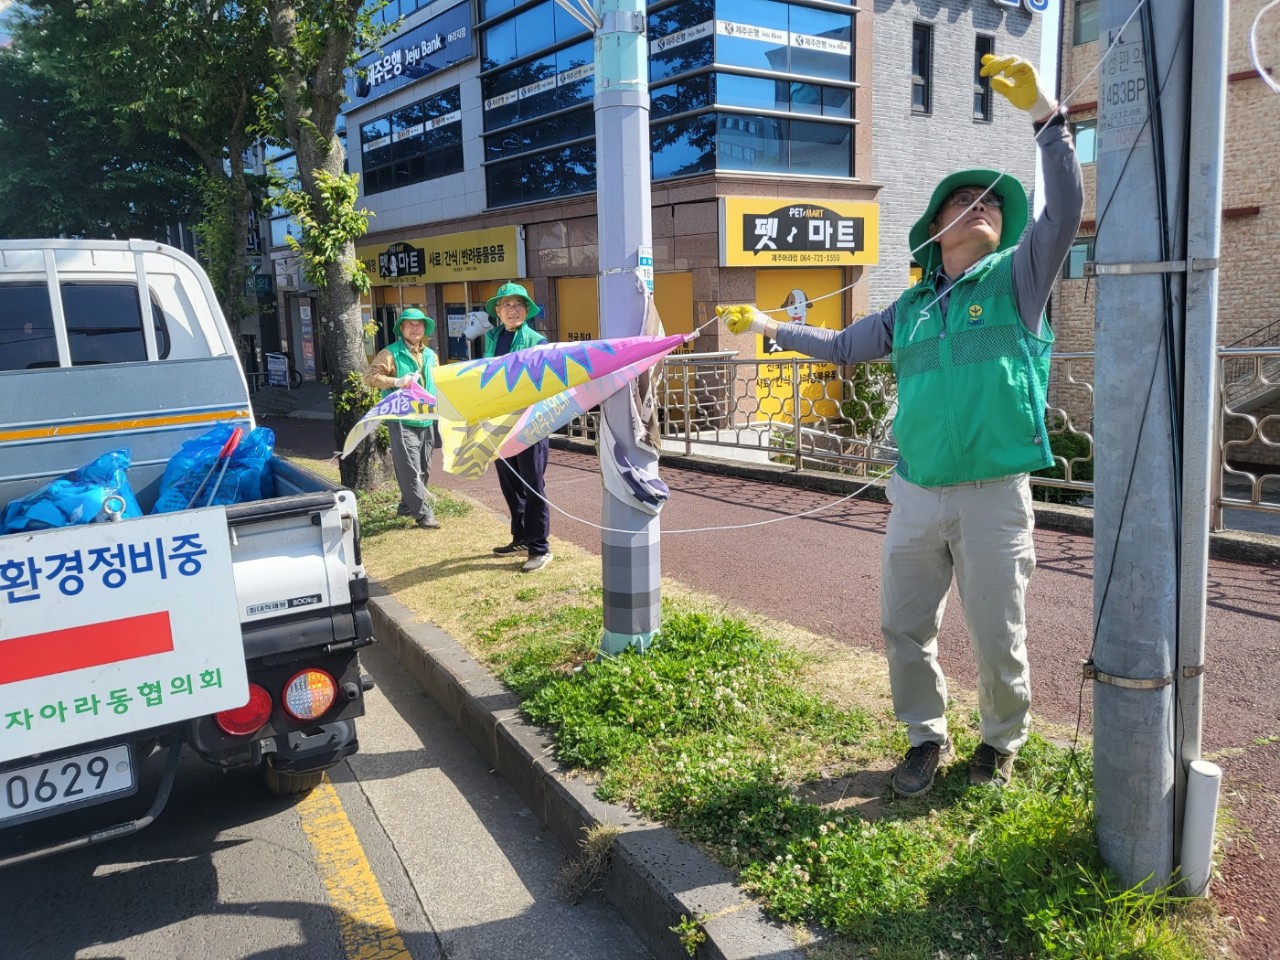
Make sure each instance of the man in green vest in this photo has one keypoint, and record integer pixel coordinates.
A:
(521, 476)
(407, 360)
(970, 348)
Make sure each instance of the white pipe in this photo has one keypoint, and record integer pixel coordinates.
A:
(1204, 779)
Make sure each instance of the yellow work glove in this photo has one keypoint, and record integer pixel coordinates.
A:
(1015, 80)
(742, 318)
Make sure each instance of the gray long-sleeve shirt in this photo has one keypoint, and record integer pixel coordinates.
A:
(1036, 261)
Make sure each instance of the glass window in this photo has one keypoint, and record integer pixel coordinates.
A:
(982, 46)
(683, 97)
(1081, 252)
(26, 327)
(543, 133)
(491, 8)
(565, 25)
(753, 92)
(535, 29)
(423, 142)
(821, 149)
(1085, 133)
(499, 44)
(282, 227)
(104, 323)
(824, 45)
(553, 173)
(837, 102)
(684, 147)
(669, 59)
(1085, 26)
(770, 53)
(921, 67)
(575, 74)
(751, 143)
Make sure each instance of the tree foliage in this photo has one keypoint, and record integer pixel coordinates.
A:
(73, 167)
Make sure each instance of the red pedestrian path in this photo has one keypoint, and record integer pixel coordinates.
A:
(822, 573)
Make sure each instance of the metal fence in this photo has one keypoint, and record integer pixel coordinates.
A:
(810, 415)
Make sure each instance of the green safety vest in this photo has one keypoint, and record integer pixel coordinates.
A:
(525, 337)
(972, 385)
(407, 363)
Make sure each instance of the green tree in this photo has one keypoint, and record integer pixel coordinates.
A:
(314, 44)
(189, 71)
(76, 169)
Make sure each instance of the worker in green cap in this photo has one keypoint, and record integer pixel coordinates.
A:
(970, 347)
(521, 476)
(408, 359)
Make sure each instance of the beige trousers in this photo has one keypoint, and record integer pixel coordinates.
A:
(981, 532)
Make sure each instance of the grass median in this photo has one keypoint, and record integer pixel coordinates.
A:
(772, 749)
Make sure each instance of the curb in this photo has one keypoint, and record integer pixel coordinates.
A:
(654, 878)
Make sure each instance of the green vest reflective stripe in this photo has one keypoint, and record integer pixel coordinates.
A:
(405, 363)
(525, 337)
(972, 385)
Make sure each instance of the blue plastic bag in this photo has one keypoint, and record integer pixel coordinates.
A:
(76, 497)
(248, 475)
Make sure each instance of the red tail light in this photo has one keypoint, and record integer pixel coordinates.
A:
(248, 719)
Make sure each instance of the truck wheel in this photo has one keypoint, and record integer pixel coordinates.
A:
(285, 783)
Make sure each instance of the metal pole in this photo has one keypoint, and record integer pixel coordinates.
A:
(1143, 93)
(631, 544)
(1204, 204)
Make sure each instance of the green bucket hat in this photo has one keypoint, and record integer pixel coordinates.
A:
(413, 313)
(1013, 213)
(511, 290)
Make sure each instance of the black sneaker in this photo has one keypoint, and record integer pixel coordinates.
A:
(990, 766)
(403, 510)
(515, 546)
(914, 776)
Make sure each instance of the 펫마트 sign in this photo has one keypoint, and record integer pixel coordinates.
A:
(768, 232)
(400, 260)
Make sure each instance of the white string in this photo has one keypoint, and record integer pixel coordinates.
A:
(569, 8)
(1253, 48)
(1003, 173)
(732, 526)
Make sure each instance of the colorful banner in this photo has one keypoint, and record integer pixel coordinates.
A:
(498, 406)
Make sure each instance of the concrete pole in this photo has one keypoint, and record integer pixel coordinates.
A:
(1200, 406)
(1142, 98)
(631, 544)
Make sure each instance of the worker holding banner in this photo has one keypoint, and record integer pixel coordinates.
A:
(521, 476)
(970, 347)
(408, 360)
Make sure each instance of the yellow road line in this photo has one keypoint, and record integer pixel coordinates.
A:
(106, 426)
(364, 919)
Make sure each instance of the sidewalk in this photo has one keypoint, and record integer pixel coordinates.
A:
(823, 576)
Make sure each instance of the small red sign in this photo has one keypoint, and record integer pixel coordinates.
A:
(93, 645)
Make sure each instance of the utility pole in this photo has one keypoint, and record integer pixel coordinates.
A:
(631, 543)
(1161, 91)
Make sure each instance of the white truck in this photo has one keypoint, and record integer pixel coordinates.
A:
(232, 631)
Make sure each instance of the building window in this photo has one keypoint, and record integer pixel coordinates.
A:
(921, 67)
(982, 46)
(1085, 28)
(419, 142)
(1085, 134)
(1080, 254)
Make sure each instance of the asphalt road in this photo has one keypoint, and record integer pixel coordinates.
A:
(822, 573)
(415, 851)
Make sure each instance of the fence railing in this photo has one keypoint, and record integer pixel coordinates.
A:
(811, 415)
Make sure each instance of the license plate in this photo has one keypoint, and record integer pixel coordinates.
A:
(84, 778)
